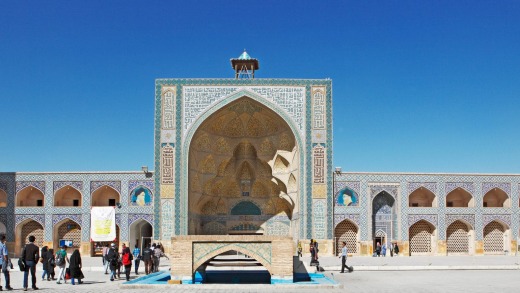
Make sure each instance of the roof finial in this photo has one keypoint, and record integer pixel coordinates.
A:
(244, 66)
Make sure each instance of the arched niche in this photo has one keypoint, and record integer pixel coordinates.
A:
(25, 229)
(67, 229)
(460, 198)
(496, 238)
(422, 238)
(243, 151)
(67, 196)
(422, 197)
(141, 233)
(3, 199)
(460, 237)
(105, 196)
(30, 197)
(347, 231)
(496, 198)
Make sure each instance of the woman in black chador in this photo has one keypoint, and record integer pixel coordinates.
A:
(75, 267)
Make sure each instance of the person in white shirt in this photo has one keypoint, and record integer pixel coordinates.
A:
(343, 257)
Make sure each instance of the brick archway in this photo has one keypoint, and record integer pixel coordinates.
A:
(240, 248)
(275, 253)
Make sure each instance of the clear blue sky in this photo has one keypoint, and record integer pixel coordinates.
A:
(419, 86)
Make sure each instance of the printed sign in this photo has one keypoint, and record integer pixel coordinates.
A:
(103, 224)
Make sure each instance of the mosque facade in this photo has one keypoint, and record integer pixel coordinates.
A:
(249, 156)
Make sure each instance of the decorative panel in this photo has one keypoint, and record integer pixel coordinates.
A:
(318, 108)
(167, 165)
(319, 220)
(319, 164)
(168, 107)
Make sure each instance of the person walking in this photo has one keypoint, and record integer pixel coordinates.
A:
(391, 248)
(383, 250)
(378, 249)
(300, 249)
(137, 258)
(106, 263)
(343, 257)
(147, 259)
(396, 249)
(45, 263)
(312, 251)
(316, 249)
(157, 254)
(61, 261)
(75, 267)
(112, 258)
(4, 263)
(51, 260)
(127, 262)
(30, 257)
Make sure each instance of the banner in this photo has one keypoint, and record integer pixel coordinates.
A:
(103, 224)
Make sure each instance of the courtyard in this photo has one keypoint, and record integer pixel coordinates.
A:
(364, 281)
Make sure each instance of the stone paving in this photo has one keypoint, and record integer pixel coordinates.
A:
(454, 280)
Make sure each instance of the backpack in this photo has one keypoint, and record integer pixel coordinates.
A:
(147, 254)
(52, 262)
(60, 260)
(127, 258)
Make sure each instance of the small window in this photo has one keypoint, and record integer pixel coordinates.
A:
(39, 202)
(415, 205)
(245, 193)
(450, 204)
(485, 204)
(112, 202)
(75, 202)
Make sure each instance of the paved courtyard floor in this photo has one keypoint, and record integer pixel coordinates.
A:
(379, 280)
(365, 281)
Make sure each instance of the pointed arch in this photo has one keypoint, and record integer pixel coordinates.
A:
(459, 236)
(496, 237)
(3, 198)
(422, 197)
(67, 196)
(67, 229)
(30, 196)
(421, 238)
(459, 197)
(496, 198)
(105, 196)
(26, 228)
(347, 231)
(140, 232)
(240, 107)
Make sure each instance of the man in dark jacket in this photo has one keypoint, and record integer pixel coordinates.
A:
(112, 258)
(147, 259)
(30, 256)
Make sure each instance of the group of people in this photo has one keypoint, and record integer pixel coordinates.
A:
(31, 256)
(113, 260)
(382, 249)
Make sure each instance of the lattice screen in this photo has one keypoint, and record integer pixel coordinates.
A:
(420, 238)
(70, 231)
(457, 236)
(346, 231)
(33, 228)
(494, 238)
